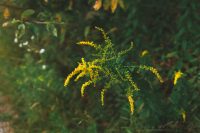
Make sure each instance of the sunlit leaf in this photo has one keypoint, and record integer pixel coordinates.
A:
(27, 13)
(97, 5)
(114, 5)
(121, 4)
(106, 4)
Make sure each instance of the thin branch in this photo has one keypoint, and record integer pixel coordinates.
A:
(11, 6)
(45, 22)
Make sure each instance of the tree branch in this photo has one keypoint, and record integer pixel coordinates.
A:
(10, 6)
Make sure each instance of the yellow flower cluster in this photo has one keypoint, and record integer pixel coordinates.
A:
(76, 71)
(145, 52)
(83, 69)
(153, 70)
(88, 43)
(103, 33)
(177, 75)
(84, 86)
(131, 103)
(128, 76)
(102, 96)
(98, 69)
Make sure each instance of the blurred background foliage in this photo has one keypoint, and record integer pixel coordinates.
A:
(38, 49)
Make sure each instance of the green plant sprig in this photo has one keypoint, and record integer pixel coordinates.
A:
(106, 65)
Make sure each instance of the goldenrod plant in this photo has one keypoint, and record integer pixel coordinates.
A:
(177, 76)
(105, 68)
(37, 52)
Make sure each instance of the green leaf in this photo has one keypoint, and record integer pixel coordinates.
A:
(86, 31)
(14, 21)
(27, 13)
(20, 30)
(52, 29)
(172, 54)
(55, 33)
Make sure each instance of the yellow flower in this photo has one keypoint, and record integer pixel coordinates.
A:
(83, 62)
(93, 66)
(153, 70)
(131, 103)
(92, 44)
(103, 33)
(81, 67)
(102, 96)
(145, 52)
(128, 76)
(93, 74)
(177, 75)
(82, 74)
(84, 86)
(76, 71)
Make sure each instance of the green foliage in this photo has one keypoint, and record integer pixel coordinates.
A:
(37, 97)
(165, 35)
